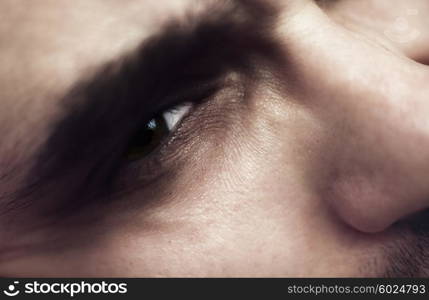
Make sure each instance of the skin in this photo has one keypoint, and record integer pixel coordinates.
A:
(320, 172)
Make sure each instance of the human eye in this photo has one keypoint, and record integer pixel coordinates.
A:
(140, 118)
(152, 134)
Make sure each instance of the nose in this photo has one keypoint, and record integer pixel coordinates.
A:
(373, 108)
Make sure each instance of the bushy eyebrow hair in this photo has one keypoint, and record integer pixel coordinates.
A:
(102, 113)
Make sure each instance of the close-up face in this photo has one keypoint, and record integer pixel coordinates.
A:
(214, 138)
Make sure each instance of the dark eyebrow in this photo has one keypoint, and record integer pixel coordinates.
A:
(103, 112)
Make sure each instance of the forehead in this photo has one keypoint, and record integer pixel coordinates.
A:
(51, 40)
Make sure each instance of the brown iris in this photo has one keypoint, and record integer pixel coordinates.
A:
(147, 138)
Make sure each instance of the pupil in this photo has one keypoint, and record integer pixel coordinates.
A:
(147, 139)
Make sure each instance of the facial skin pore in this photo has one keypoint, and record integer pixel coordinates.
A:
(304, 153)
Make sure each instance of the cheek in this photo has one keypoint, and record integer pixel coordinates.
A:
(218, 218)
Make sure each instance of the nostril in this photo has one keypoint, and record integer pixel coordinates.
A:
(418, 222)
